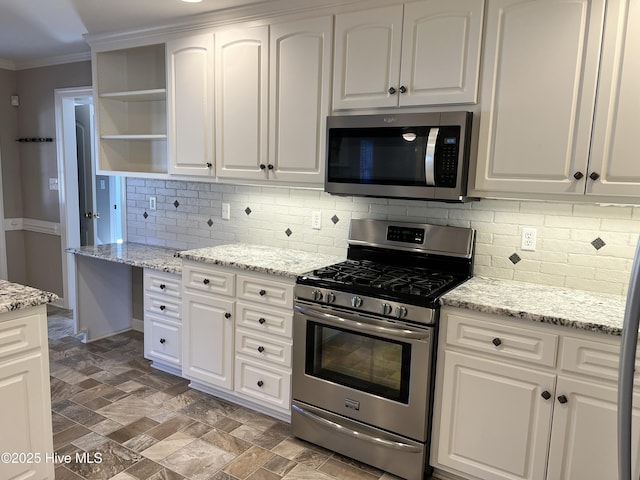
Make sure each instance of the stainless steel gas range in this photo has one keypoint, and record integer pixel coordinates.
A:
(364, 334)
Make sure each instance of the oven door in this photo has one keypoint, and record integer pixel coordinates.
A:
(372, 370)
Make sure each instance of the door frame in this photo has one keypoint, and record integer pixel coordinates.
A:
(68, 184)
(3, 240)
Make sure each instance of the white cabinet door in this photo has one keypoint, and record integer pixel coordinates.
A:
(441, 52)
(207, 345)
(190, 105)
(367, 58)
(614, 153)
(584, 436)
(241, 98)
(494, 422)
(300, 79)
(539, 78)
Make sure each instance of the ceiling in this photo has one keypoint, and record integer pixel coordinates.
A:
(39, 29)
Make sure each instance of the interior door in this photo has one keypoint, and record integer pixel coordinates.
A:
(86, 198)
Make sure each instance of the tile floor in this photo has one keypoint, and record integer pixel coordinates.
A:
(127, 421)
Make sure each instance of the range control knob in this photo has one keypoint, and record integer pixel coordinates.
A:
(386, 309)
(401, 311)
(356, 302)
(331, 297)
(316, 295)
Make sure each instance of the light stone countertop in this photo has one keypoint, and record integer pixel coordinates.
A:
(602, 313)
(134, 254)
(14, 296)
(260, 258)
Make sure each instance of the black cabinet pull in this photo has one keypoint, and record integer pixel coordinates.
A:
(227, 315)
(262, 293)
(260, 383)
(162, 307)
(392, 91)
(209, 164)
(261, 349)
(403, 89)
(162, 286)
(496, 341)
(594, 176)
(262, 166)
(205, 281)
(546, 395)
(163, 341)
(261, 321)
(563, 399)
(270, 167)
(578, 175)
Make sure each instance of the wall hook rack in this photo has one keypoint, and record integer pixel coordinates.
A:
(34, 139)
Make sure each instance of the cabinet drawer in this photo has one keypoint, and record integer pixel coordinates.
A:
(269, 385)
(162, 340)
(20, 335)
(505, 341)
(264, 319)
(168, 308)
(592, 358)
(266, 292)
(208, 280)
(162, 284)
(263, 348)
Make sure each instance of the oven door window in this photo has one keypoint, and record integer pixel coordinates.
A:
(364, 362)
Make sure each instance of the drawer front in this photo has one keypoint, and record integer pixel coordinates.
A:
(265, 292)
(162, 284)
(263, 348)
(20, 335)
(208, 280)
(502, 341)
(163, 307)
(162, 341)
(593, 358)
(270, 386)
(264, 319)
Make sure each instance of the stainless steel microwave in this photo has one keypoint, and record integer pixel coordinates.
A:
(406, 155)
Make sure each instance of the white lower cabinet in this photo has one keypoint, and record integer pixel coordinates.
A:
(163, 320)
(518, 400)
(237, 335)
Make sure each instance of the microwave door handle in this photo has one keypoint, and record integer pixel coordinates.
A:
(429, 158)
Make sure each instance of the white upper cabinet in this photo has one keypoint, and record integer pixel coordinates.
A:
(560, 99)
(190, 105)
(241, 98)
(299, 86)
(614, 153)
(422, 53)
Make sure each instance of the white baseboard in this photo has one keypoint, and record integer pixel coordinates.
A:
(32, 225)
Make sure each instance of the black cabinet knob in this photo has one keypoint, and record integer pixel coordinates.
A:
(262, 293)
(496, 341)
(261, 349)
(270, 167)
(205, 281)
(227, 315)
(163, 341)
(546, 395)
(162, 307)
(209, 164)
(403, 89)
(563, 399)
(578, 175)
(261, 321)
(594, 176)
(162, 286)
(260, 383)
(262, 166)
(392, 91)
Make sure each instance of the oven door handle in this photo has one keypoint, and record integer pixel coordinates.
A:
(328, 424)
(355, 324)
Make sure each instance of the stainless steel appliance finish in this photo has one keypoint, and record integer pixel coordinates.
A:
(406, 155)
(364, 340)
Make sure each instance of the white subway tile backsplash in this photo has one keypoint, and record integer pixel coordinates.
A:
(567, 234)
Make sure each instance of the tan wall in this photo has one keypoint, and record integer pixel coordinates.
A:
(11, 170)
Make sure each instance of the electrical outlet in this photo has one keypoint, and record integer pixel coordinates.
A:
(529, 237)
(152, 203)
(226, 211)
(316, 220)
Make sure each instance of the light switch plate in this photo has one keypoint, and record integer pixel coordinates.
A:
(226, 211)
(316, 220)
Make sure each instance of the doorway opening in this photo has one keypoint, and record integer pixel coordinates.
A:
(91, 206)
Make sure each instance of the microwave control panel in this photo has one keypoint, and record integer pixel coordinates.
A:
(447, 152)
